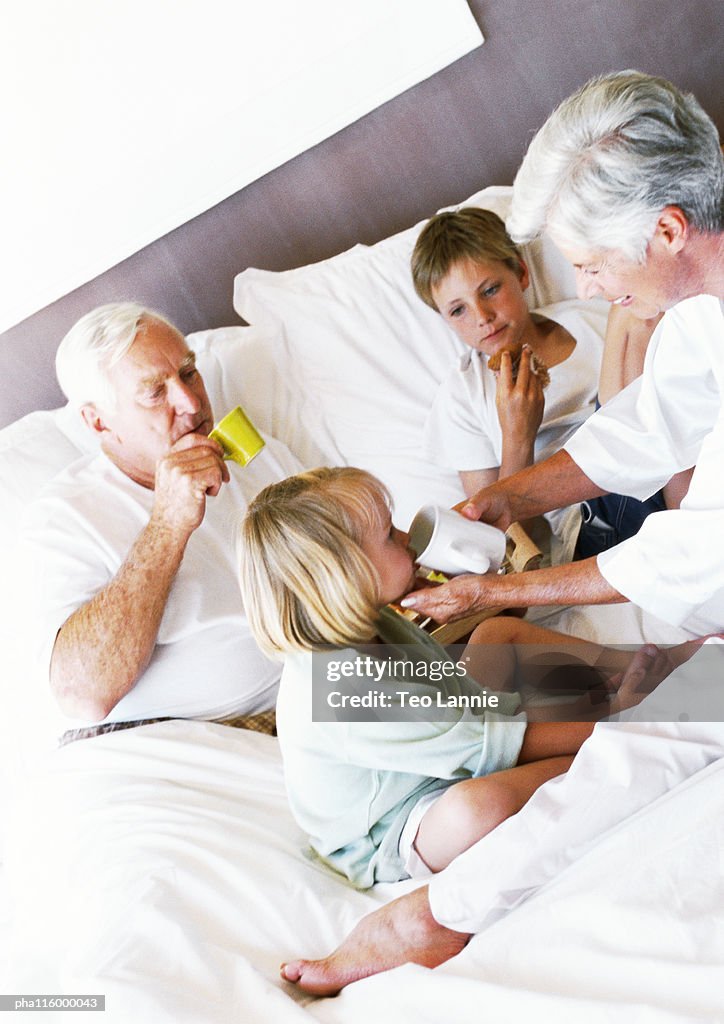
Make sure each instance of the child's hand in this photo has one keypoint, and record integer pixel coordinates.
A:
(645, 671)
(649, 666)
(519, 402)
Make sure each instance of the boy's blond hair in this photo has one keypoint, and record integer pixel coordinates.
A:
(305, 580)
(455, 236)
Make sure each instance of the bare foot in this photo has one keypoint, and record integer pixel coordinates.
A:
(401, 932)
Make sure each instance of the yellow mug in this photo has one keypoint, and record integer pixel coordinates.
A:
(238, 436)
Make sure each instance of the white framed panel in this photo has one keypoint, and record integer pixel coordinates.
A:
(122, 119)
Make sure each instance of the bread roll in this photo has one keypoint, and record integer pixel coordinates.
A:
(537, 365)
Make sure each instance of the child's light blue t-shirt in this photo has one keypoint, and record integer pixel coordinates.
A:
(352, 784)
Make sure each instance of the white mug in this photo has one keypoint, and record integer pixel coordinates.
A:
(444, 540)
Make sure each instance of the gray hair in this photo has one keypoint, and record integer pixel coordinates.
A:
(94, 344)
(611, 157)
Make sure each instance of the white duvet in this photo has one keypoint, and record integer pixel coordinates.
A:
(168, 875)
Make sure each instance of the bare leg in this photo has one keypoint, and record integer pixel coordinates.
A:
(471, 809)
(401, 932)
(553, 739)
(489, 654)
(506, 653)
(405, 931)
(530, 643)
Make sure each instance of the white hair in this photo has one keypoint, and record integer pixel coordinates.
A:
(611, 157)
(95, 343)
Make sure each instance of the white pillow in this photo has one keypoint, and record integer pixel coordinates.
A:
(366, 355)
(246, 366)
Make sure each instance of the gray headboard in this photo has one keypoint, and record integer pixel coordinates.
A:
(466, 127)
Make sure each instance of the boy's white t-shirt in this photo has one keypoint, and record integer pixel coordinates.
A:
(463, 431)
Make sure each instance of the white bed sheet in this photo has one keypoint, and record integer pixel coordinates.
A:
(169, 876)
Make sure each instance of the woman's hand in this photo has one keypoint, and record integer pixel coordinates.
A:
(461, 596)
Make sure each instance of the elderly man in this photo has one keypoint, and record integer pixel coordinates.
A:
(136, 606)
(627, 177)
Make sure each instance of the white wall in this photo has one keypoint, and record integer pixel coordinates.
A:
(122, 119)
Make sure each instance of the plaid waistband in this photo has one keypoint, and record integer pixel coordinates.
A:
(263, 721)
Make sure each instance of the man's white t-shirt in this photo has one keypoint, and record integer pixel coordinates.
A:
(206, 663)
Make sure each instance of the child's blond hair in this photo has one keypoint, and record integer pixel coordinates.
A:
(456, 236)
(305, 580)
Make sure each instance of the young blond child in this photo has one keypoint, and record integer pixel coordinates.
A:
(381, 800)
(489, 423)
